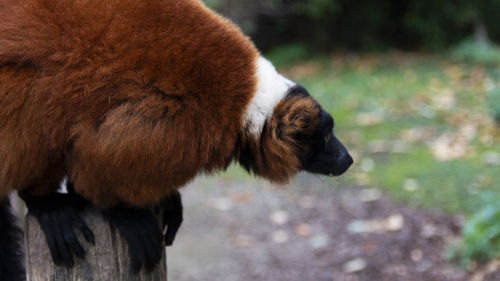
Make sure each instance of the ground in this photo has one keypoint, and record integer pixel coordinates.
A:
(314, 229)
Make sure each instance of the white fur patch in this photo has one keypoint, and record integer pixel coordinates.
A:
(271, 88)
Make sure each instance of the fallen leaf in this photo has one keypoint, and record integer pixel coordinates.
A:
(416, 134)
(242, 197)
(307, 69)
(369, 118)
(303, 230)
(454, 72)
(390, 224)
(448, 147)
(491, 267)
(429, 230)
(444, 100)
(307, 202)
(426, 111)
(222, 204)
(384, 146)
(369, 248)
(393, 223)
(280, 237)
(279, 217)
(244, 241)
(354, 266)
(319, 241)
(367, 165)
(378, 146)
(410, 185)
(491, 158)
(416, 255)
(361, 178)
(370, 195)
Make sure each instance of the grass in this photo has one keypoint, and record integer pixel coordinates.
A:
(418, 126)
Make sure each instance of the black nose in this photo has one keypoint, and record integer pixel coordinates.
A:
(333, 160)
(343, 163)
(344, 159)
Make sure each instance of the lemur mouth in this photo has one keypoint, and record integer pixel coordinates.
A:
(343, 164)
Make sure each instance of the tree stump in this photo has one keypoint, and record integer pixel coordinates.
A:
(108, 260)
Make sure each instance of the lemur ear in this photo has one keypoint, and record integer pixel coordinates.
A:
(303, 113)
(300, 119)
(298, 116)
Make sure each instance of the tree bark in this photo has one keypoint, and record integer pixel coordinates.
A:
(481, 34)
(107, 260)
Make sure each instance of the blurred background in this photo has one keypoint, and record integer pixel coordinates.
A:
(414, 87)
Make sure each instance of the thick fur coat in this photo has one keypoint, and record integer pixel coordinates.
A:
(132, 99)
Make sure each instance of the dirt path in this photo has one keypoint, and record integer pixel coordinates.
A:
(236, 231)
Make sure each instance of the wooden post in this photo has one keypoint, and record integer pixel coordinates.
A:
(108, 260)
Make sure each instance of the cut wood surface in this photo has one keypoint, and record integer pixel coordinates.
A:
(107, 260)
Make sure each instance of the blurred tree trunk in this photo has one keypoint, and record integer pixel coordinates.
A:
(480, 34)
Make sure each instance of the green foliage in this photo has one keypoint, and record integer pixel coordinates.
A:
(327, 24)
(315, 9)
(362, 24)
(438, 23)
(480, 234)
(214, 4)
(471, 51)
(289, 54)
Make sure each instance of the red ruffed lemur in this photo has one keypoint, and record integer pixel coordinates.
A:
(131, 100)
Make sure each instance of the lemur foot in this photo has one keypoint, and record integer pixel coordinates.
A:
(142, 232)
(59, 215)
(171, 210)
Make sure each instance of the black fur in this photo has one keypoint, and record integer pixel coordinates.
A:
(246, 156)
(171, 211)
(142, 232)
(297, 90)
(11, 254)
(327, 156)
(58, 215)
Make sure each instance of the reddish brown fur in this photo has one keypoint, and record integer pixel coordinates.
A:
(130, 98)
(23, 151)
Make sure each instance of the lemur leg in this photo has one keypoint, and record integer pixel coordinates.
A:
(170, 209)
(59, 216)
(125, 175)
(142, 232)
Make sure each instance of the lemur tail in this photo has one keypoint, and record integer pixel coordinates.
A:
(11, 250)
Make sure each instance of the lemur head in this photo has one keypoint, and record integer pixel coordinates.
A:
(286, 131)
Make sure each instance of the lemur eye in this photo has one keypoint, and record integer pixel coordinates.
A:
(327, 138)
